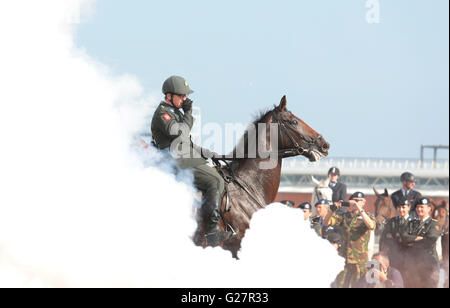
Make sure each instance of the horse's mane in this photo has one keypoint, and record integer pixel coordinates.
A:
(260, 117)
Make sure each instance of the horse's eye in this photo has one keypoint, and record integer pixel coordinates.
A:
(295, 122)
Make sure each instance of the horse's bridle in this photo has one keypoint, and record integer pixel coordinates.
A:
(296, 149)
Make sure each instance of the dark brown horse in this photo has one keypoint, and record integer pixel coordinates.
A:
(440, 213)
(258, 178)
(384, 209)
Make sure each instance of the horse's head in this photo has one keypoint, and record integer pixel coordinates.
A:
(440, 213)
(321, 190)
(296, 137)
(384, 209)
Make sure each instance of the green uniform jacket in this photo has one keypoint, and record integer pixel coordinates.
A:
(356, 237)
(391, 241)
(424, 251)
(393, 230)
(165, 132)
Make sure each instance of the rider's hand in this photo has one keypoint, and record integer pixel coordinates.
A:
(359, 202)
(187, 105)
(336, 205)
(381, 274)
(209, 154)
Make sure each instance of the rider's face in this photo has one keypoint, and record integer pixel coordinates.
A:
(408, 185)
(334, 177)
(177, 99)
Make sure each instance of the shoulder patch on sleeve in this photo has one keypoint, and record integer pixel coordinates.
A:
(167, 117)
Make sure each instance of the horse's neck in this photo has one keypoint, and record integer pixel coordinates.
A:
(264, 182)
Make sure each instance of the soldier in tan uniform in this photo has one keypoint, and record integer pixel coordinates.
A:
(357, 226)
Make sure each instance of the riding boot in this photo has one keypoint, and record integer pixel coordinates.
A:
(211, 207)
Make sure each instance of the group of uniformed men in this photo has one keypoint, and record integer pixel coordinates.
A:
(409, 240)
(409, 237)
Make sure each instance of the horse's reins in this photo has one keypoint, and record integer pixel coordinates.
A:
(234, 179)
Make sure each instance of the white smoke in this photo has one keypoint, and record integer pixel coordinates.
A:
(77, 208)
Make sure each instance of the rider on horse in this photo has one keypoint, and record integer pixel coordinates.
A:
(171, 130)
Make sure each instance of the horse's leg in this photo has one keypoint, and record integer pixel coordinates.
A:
(239, 221)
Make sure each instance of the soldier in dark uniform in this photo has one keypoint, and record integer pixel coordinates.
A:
(171, 131)
(390, 241)
(307, 209)
(419, 238)
(339, 189)
(289, 203)
(408, 181)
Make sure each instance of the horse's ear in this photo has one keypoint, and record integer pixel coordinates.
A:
(376, 192)
(283, 104)
(315, 181)
(386, 193)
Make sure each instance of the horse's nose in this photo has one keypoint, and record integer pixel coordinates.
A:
(325, 146)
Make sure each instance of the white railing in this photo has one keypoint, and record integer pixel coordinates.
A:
(369, 166)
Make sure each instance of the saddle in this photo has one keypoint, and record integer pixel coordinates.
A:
(227, 173)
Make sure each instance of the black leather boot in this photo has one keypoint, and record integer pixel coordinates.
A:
(211, 207)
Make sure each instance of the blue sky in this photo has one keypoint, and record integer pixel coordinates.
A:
(372, 90)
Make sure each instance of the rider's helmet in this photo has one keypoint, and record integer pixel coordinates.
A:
(334, 170)
(176, 85)
(407, 177)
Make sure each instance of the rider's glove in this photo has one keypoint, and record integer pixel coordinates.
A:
(187, 105)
